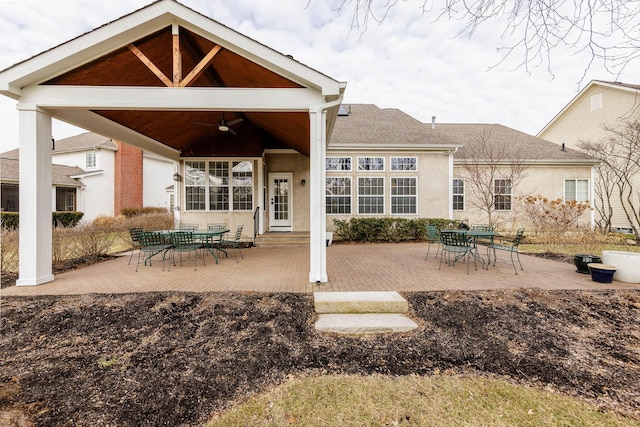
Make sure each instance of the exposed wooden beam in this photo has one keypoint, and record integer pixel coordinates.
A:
(150, 65)
(199, 69)
(177, 56)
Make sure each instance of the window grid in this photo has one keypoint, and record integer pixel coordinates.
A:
(338, 195)
(91, 160)
(404, 163)
(371, 164)
(403, 196)
(576, 190)
(371, 196)
(458, 194)
(221, 181)
(338, 164)
(242, 186)
(502, 194)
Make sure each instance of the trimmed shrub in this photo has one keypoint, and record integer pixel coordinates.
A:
(67, 218)
(137, 211)
(386, 229)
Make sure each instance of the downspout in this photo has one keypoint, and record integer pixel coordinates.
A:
(317, 245)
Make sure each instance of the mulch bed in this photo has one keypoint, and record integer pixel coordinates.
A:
(176, 359)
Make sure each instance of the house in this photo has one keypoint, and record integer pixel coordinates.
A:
(171, 81)
(114, 175)
(64, 190)
(583, 119)
(382, 162)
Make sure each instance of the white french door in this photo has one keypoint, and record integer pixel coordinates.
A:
(280, 202)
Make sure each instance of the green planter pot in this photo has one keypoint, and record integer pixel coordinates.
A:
(581, 261)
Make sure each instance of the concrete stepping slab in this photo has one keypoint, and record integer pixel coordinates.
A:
(364, 324)
(360, 302)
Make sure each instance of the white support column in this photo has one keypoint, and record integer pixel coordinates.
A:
(261, 201)
(35, 198)
(317, 210)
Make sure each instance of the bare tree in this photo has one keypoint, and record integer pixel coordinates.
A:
(483, 163)
(606, 29)
(619, 172)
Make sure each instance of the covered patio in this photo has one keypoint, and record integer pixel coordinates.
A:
(351, 267)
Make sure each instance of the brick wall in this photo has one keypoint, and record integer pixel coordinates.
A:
(128, 177)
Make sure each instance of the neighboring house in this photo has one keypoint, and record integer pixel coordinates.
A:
(584, 118)
(64, 193)
(114, 175)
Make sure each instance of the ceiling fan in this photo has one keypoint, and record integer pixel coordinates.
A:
(223, 126)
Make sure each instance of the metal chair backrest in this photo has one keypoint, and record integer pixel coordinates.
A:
(483, 227)
(432, 232)
(518, 238)
(216, 227)
(181, 238)
(238, 233)
(134, 232)
(151, 238)
(454, 238)
(188, 227)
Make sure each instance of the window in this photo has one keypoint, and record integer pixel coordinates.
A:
(194, 186)
(242, 186)
(458, 194)
(91, 160)
(220, 185)
(371, 163)
(371, 195)
(403, 196)
(338, 194)
(502, 194)
(576, 190)
(404, 163)
(65, 199)
(338, 163)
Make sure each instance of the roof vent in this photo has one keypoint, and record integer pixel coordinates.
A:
(563, 149)
(433, 122)
(342, 111)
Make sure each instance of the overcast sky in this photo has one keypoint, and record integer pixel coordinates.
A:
(409, 62)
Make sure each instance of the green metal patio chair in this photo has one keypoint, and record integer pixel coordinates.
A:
(184, 241)
(151, 244)
(134, 233)
(433, 236)
(188, 227)
(457, 244)
(234, 244)
(512, 248)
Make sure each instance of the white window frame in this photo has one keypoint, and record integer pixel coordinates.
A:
(366, 161)
(91, 160)
(413, 196)
(329, 196)
(454, 194)
(232, 182)
(508, 195)
(397, 158)
(378, 196)
(575, 189)
(338, 164)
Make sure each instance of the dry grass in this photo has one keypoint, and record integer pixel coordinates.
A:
(441, 401)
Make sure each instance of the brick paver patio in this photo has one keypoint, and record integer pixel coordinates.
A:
(351, 267)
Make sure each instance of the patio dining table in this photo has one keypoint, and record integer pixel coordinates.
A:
(207, 238)
(479, 234)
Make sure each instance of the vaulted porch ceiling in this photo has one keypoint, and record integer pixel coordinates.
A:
(177, 59)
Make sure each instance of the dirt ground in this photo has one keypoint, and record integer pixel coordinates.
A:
(175, 359)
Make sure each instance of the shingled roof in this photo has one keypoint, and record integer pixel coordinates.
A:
(368, 125)
(61, 174)
(516, 145)
(83, 141)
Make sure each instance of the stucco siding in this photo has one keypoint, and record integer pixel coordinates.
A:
(545, 180)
